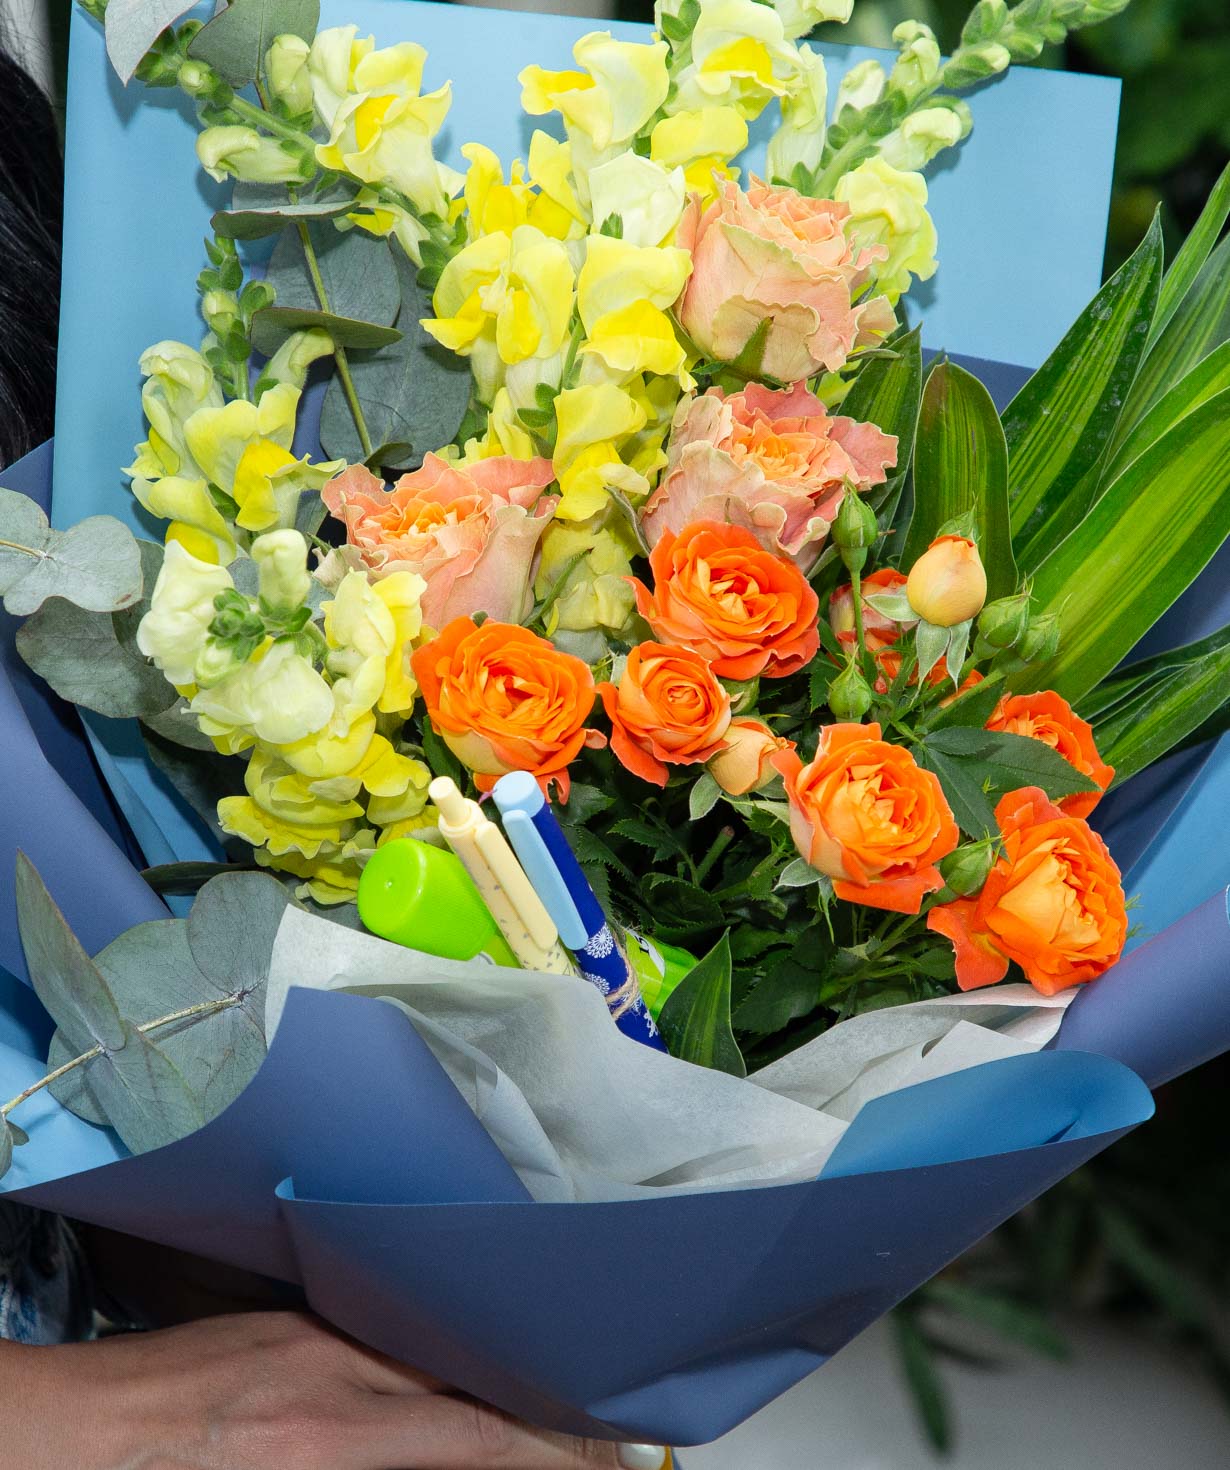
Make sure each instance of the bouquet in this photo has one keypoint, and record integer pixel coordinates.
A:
(610, 488)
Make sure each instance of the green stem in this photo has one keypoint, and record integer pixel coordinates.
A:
(339, 352)
(203, 1008)
(719, 845)
(856, 589)
(259, 118)
(17, 546)
(570, 360)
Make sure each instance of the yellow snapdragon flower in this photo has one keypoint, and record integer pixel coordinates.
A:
(623, 295)
(646, 198)
(889, 207)
(181, 608)
(741, 58)
(277, 696)
(504, 299)
(702, 141)
(620, 86)
(370, 630)
(594, 421)
(597, 595)
(800, 138)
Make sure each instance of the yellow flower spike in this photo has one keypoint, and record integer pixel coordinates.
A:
(336, 53)
(701, 141)
(597, 593)
(555, 209)
(519, 285)
(800, 138)
(586, 482)
(181, 608)
(377, 216)
(196, 522)
(741, 58)
(387, 139)
(593, 414)
(395, 69)
(178, 382)
(622, 294)
(621, 86)
(401, 594)
(323, 756)
(646, 198)
(505, 434)
(424, 827)
(541, 89)
(889, 207)
(361, 633)
(490, 203)
(277, 696)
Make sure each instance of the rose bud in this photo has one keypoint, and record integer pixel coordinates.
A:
(746, 762)
(947, 584)
(854, 531)
(1041, 640)
(1004, 622)
(965, 870)
(850, 694)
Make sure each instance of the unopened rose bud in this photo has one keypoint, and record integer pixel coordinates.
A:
(1041, 640)
(850, 694)
(745, 762)
(948, 583)
(1003, 623)
(965, 870)
(854, 531)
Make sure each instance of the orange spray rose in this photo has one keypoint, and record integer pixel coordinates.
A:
(1046, 716)
(864, 812)
(745, 762)
(1053, 902)
(504, 699)
(668, 709)
(719, 592)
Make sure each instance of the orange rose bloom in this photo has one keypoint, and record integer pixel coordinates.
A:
(503, 699)
(1048, 717)
(667, 710)
(719, 592)
(1053, 903)
(867, 815)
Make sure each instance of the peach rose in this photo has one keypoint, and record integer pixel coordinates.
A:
(668, 709)
(718, 591)
(1046, 716)
(1052, 903)
(503, 699)
(866, 814)
(771, 254)
(745, 762)
(470, 531)
(774, 462)
(948, 583)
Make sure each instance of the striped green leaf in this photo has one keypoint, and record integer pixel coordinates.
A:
(886, 393)
(695, 1021)
(1196, 249)
(1164, 713)
(1200, 324)
(1144, 541)
(1061, 421)
(1208, 378)
(961, 465)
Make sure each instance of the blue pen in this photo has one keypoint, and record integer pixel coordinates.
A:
(552, 868)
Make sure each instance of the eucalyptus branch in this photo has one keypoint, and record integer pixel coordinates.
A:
(17, 546)
(198, 1011)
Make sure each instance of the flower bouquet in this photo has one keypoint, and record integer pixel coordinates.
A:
(610, 489)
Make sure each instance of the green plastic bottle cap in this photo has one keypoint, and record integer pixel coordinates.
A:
(419, 895)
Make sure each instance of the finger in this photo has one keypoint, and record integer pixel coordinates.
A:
(440, 1433)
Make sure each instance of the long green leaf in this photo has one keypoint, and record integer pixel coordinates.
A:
(1195, 251)
(960, 465)
(1147, 672)
(695, 1021)
(1061, 421)
(887, 393)
(1208, 378)
(1200, 324)
(1145, 540)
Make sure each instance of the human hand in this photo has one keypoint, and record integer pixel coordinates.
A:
(262, 1391)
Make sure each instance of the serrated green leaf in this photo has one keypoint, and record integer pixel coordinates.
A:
(1190, 260)
(1146, 539)
(414, 392)
(258, 210)
(695, 1021)
(703, 796)
(961, 466)
(1007, 762)
(680, 909)
(234, 43)
(1061, 422)
(789, 988)
(273, 324)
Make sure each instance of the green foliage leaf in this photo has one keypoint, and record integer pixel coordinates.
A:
(132, 1082)
(887, 393)
(1147, 538)
(91, 658)
(202, 777)
(413, 393)
(132, 27)
(356, 269)
(1190, 260)
(961, 466)
(798, 873)
(1160, 707)
(695, 1021)
(789, 988)
(976, 767)
(1062, 420)
(680, 909)
(258, 210)
(1005, 1316)
(923, 1379)
(272, 325)
(235, 41)
(94, 565)
(703, 796)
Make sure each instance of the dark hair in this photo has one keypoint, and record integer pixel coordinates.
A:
(31, 210)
